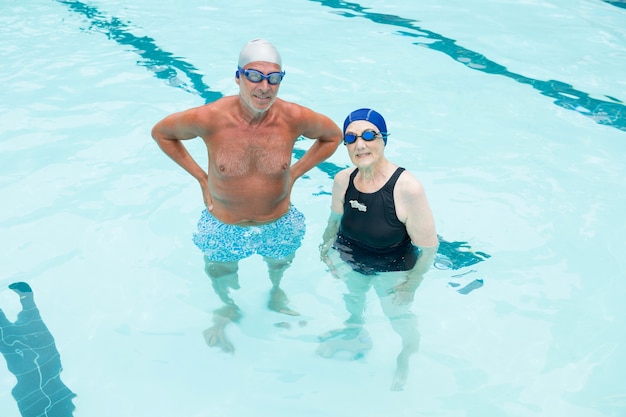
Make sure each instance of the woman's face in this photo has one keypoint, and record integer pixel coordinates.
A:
(364, 153)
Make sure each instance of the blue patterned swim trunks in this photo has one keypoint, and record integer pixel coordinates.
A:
(221, 242)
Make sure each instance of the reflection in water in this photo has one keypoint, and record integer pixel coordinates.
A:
(457, 255)
(31, 355)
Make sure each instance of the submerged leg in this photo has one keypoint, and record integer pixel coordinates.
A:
(356, 298)
(278, 299)
(215, 336)
(404, 323)
(223, 277)
(406, 327)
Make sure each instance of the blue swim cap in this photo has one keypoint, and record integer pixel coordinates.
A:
(369, 115)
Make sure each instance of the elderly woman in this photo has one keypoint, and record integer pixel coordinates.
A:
(380, 233)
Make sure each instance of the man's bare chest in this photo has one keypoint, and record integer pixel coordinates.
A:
(250, 158)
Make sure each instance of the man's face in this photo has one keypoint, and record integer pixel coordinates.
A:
(261, 95)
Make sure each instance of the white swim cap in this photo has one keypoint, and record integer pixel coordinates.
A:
(259, 50)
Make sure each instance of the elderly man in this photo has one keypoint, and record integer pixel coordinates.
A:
(247, 186)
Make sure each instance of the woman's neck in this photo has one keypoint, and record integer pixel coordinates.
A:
(375, 176)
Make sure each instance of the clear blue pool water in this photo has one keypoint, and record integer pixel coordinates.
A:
(510, 112)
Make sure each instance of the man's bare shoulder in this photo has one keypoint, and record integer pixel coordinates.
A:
(224, 104)
(306, 121)
(210, 116)
(295, 111)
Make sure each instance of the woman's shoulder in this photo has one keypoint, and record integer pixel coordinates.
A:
(342, 178)
(344, 174)
(409, 183)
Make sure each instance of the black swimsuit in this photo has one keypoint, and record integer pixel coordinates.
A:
(371, 238)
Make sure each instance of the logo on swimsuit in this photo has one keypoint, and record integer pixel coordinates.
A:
(355, 204)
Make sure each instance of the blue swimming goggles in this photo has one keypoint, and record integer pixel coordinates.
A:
(368, 135)
(255, 76)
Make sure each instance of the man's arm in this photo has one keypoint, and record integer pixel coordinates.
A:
(327, 136)
(169, 134)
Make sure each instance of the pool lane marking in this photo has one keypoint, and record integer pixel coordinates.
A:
(616, 3)
(164, 65)
(611, 112)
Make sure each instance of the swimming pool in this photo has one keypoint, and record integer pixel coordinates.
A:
(510, 112)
